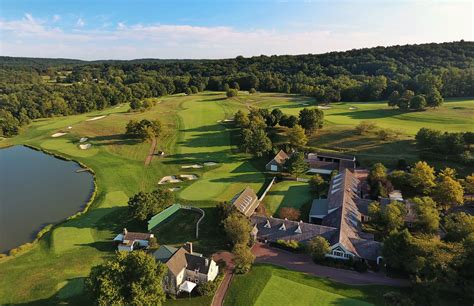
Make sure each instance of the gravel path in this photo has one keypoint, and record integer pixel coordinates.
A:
(151, 152)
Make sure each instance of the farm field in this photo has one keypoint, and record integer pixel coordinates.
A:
(192, 135)
(272, 285)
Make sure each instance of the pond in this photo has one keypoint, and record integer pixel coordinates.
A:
(37, 189)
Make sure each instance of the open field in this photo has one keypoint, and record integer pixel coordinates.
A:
(53, 270)
(272, 285)
(287, 194)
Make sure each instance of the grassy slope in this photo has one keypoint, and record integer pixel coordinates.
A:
(272, 285)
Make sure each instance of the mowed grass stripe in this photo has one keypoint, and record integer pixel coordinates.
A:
(281, 291)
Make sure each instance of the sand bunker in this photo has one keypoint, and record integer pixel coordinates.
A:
(352, 108)
(95, 118)
(228, 120)
(83, 139)
(58, 135)
(69, 127)
(188, 177)
(174, 189)
(195, 166)
(210, 164)
(85, 146)
(324, 107)
(169, 179)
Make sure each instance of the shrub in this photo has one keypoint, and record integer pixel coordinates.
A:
(365, 127)
(388, 134)
(252, 91)
(318, 248)
(290, 213)
(210, 288)
(291, 245)
(360, 266)
(243, 259)
(232, 93)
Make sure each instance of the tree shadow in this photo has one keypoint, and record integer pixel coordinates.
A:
(371, 114)
(117, 139)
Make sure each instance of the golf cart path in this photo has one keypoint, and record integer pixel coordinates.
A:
(219, 296)
(303, 263)
(151, 152)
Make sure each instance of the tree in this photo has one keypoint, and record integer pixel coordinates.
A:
(318, 185)
(392, 216)
(311, 119)
(398, 250)
(434, 99)
(427, 214)
(422, 177)
(289, 213)
(418, 102)
(237, 228)
(448, 192)
(130, 278)
(297, 137)
(393, 98)
(243, 258)
(296, 164)
(145, 129)
(288, 121)
(144, 205)
(255, 141)
(469, 184)
(318, 247)
(241, 119)
(252, 91)
(277, 114)
(458, 226)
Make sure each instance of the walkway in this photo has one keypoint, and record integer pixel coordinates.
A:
(304, 263)
(219, 296)
(151, 152)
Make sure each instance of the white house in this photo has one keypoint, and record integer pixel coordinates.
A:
(128, 241)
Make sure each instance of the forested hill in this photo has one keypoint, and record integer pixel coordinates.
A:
(32, 87)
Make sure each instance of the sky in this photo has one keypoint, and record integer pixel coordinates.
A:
(129, 29)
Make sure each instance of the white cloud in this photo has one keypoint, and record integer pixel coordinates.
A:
(80, 23)
(56, 18)
(31, 37)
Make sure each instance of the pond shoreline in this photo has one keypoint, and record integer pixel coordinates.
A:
(48, 227)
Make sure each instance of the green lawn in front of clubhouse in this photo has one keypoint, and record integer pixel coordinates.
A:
(287, 194)
(273, 285)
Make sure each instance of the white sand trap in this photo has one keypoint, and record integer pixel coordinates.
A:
(174, 189)
(83, 139)
(352, 108)
(210, 164)
(85, 146)
(58, 135)
(219, 121)
(195, 166)
(228, 120)
(69, 127)
(169, 179)
(188, 177)
(95, 118)
(324, 107)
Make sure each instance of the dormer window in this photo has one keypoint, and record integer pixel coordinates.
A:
(298, 230)
(282, 227)
(267, 224)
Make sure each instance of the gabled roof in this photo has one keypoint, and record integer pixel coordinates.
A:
(280, 158)
(137, 236)
(319, 207)
(293, 230)
(246, 201)
(164, 253)
(177, 262)
(198, 263)
(345, 215)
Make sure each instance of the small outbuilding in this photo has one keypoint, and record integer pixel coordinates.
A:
(129, 241)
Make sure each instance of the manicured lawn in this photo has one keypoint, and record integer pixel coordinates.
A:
(287, 194)
(272, 285)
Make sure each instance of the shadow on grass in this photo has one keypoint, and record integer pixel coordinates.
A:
(117, 139)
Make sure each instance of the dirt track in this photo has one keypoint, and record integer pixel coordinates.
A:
(151, 152)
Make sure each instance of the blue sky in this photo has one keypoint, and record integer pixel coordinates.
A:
(125, 29)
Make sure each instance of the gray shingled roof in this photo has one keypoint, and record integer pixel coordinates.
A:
(197, 263)
(289, 230)
(246, 201)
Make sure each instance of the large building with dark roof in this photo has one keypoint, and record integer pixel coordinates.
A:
(246, 201)
(339, 221)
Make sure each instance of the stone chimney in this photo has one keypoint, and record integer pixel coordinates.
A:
(206, 262)
(125, 231)
(188, 246)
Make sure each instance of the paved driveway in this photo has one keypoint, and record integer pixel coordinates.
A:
(304, 263)
(219, 296)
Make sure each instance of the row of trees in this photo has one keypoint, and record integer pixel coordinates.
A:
(438, 145)
(237, 228)
(408, 100)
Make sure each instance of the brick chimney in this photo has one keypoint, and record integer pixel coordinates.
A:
(188, 246)
(125, 231)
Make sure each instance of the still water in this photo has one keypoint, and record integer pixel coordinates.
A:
(37, 189)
